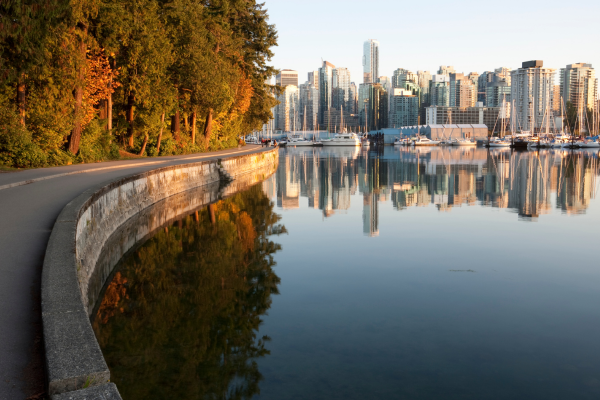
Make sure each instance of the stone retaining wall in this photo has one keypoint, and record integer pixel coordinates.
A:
(73, 274)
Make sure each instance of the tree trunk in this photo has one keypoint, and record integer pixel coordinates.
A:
(208, 127)
(144, 145)
(162, 124)
(186, 122)
(109, 110)
(194, 127)
(175, 128)
(211, 212)
(21, 98)
(75, 137)
(129, 116)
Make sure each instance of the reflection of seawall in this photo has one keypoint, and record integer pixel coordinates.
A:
(70, 279)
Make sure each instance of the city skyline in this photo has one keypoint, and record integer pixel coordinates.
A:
(341, 44)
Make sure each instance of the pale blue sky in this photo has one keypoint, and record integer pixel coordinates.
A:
(470, 35)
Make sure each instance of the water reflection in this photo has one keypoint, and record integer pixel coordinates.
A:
(528, 183)
(180, 317)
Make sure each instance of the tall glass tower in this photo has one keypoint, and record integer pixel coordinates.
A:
(371, 61)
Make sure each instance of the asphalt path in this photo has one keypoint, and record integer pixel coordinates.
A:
(30, 202)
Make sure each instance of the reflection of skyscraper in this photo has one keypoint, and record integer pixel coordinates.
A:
(370, 215)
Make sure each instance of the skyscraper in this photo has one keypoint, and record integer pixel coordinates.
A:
(531, 91)
(340, 88)
(378, 107)
(579, 86)
(352, 106)
(325, 90)
(370, 61)
(287, 77)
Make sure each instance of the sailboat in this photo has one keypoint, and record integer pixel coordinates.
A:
(297, 139)
(344, 138)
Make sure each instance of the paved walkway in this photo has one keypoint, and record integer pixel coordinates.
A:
(27, 215)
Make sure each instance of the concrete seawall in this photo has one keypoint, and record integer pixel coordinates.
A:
(90, 236)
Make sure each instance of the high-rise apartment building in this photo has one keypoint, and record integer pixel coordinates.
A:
(325, 90)
(532, 89)
(404, 108)
(287, 77)
(370, 61)
(401, 76)
(362, 104)
(474, 77)
(463, 93)
(286, 115)
(439, 90)
(482, 82)
(579, 86)
(556, 100)
(352, 106)
(309, 106)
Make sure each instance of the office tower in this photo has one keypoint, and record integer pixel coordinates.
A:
(446, 70)
(325, 90)
(439, 90)
(352, 102)
(463, 93)
(377, 117)
(313, 78)
(579, 86)
(309, 106)
(531, 92)
(286, 117)
(404, 108)
(370, 61)
(287, 77)
(340, 88)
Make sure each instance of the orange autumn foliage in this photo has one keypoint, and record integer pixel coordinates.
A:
(115, 291)
(100, 83)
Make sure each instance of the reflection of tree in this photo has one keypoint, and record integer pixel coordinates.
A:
(182, 320)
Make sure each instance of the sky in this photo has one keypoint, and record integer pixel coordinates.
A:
(472, 36)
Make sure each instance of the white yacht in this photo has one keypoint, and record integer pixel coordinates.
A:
(296, 139)
(342, 139)
(496, 142)
(463, 142)
(589, 144)
(424, 141)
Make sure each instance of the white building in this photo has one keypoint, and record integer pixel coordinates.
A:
(531, 93)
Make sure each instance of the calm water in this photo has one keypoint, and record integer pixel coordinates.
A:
(405, 274)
